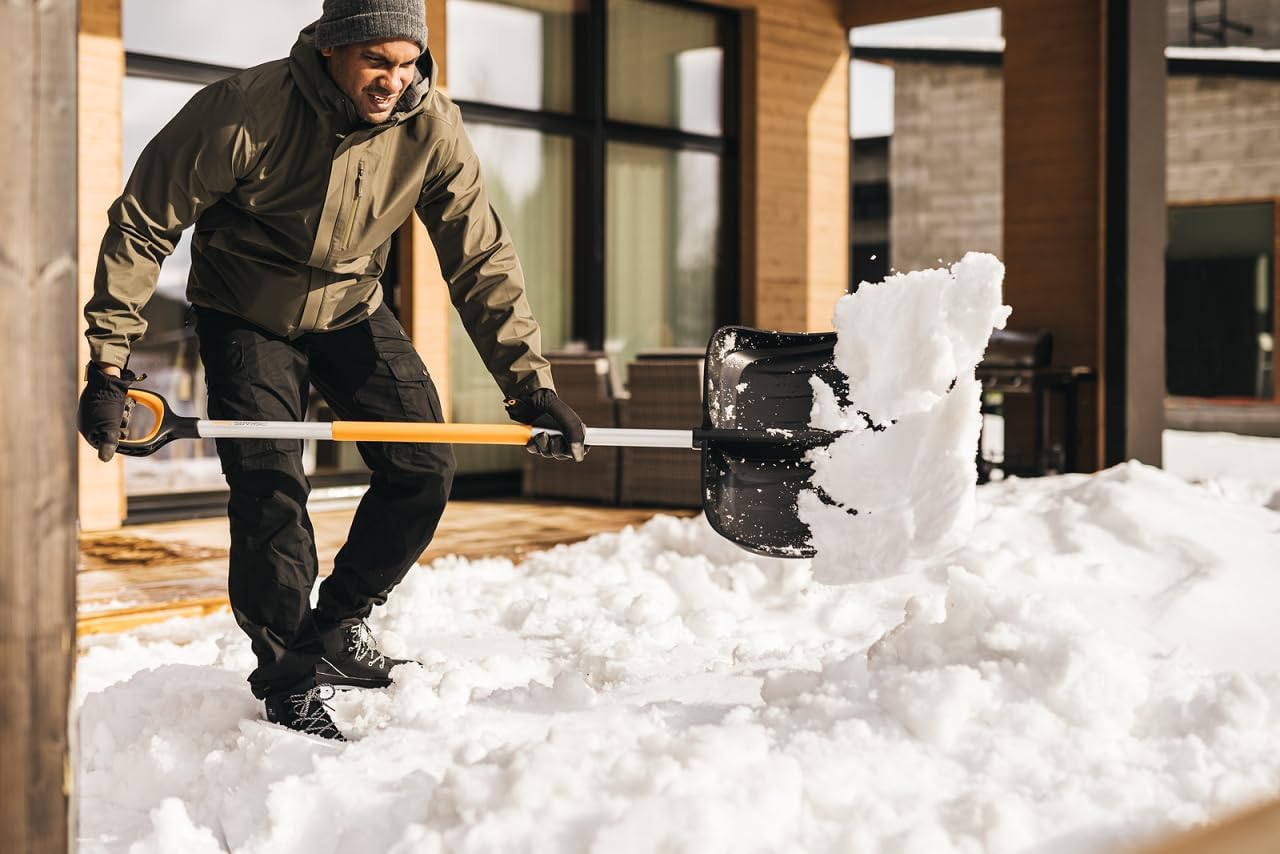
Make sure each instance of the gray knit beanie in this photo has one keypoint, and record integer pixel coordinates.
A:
(355, 21)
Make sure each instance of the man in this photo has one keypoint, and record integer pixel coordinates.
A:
(295, 174)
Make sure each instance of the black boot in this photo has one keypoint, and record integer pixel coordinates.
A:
(352, 658)
(304, 711)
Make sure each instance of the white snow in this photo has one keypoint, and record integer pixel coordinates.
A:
(1234, 54)
(978, 29)
(1245, 467)
(899, 484)
(1093, 667)
(1089, 666)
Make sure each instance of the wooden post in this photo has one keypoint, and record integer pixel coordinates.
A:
(1135, 224)
(37, 430)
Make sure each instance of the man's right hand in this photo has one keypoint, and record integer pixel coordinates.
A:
(103, 414)
(543, 408)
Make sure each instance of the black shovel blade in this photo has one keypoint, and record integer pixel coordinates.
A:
(759, 380)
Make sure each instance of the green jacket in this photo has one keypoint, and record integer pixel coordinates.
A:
(294, 200)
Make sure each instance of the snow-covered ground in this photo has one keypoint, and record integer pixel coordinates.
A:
(1246, 468)
(1096, 665)
(1081, 664)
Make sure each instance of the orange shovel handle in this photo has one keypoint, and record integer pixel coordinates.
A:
(466, 434)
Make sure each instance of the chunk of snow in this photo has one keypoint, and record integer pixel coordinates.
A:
(899, 484)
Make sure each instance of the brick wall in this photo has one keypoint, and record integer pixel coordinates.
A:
(1260, 15)
(945, 163)
(1224, 138)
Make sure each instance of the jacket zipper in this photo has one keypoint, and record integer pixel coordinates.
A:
(355, 208)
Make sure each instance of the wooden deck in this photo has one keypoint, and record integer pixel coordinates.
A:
(146, 573)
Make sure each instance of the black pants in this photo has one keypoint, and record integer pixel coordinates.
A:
(366, 372)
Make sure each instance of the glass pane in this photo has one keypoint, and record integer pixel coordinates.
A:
(530, 181)
(1219, 301)
(167, 353)
(148, 105)
(240, 33)
(663, 215)
(665, 66)
(513, 54)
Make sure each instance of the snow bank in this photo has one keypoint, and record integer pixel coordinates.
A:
(1094, 665)
(900, 483)
(1246, 468)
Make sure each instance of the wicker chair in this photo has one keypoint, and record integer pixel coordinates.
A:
(666, 392)
(582, 380)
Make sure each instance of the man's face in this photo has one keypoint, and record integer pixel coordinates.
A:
(373, 74)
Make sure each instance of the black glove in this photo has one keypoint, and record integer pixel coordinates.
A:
(103, 414)
(544, 408)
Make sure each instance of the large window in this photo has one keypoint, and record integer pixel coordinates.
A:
(529, 177)
(663, 219)
(241, 33)
(514, 55)
(608, 138)
(1220, 300)
(665, 66)
(172, 50)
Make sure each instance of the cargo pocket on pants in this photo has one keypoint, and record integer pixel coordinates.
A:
(414, 386)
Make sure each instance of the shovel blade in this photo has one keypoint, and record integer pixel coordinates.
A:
(756, 379)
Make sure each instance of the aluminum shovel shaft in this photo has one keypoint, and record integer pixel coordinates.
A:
(458, 434)
(169, 426)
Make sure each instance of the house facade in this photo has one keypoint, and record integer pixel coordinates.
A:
(938, 190)
(665, 167)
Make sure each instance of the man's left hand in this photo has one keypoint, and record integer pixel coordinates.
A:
(544, 408)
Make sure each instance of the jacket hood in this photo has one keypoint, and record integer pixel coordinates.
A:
(307, 67)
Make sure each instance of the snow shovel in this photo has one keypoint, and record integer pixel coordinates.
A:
(754, 435)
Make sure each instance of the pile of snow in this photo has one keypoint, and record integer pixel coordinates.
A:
(899, 484)
(1095, 666)
(1246, 468)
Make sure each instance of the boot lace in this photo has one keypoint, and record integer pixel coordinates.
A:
(312, 712)
(364, 646)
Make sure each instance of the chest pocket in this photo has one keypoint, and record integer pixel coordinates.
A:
(360, 202)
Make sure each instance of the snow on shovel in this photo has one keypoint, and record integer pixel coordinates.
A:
(754, 437)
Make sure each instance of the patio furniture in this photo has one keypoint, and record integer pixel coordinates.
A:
(666, 392)
(1018, 363)
(582, 380)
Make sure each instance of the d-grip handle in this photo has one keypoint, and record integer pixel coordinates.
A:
(168, 426)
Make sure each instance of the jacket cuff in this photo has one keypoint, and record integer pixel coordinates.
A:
(541, 378)
(109, 353)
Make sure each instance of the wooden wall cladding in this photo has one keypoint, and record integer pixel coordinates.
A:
(795, 204)
(100, 135)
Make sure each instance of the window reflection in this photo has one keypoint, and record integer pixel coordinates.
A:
(665, 66)
(528, 175)
(663, 218)
(662, 254)
(242, 32)
(148, 106)
(511, 54)
(1220, 300)
(167, 352)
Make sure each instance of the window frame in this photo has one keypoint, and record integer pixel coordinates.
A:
(591, 130)
(1274, 202)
